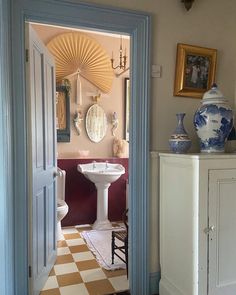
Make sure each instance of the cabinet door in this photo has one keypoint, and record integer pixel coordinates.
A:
(222, 234)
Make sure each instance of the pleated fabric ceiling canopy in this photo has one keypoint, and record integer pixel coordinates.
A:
(77, 53)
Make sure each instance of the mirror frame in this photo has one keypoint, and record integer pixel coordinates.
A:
(63, 135)
(87, 119)
(127, 107)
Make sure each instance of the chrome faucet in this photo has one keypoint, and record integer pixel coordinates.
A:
(106, 164)
(94, 164)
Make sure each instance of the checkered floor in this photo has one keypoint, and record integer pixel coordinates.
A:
(76, 270)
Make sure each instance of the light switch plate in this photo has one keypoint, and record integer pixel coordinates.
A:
(156, 71)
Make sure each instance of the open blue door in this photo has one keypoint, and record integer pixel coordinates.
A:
(40, 87)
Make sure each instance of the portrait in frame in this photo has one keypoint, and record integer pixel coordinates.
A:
(62, 114)
(195, 70)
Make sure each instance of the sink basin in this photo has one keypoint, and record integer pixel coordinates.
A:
(102, 174)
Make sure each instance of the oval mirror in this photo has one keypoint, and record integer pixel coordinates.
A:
(96, 123)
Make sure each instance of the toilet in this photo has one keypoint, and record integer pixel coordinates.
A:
(62, 207)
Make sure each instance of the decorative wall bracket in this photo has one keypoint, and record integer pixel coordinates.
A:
(114, 122)
(78, 118)
(96, 98)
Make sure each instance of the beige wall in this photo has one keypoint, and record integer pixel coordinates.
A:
(210, 23)
(110, 102)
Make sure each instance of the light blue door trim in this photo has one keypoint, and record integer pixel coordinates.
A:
(6, 180)
(88, 16)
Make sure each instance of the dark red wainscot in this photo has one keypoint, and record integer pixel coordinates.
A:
(81, 194)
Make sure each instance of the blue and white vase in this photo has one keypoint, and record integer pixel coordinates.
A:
(179, 141)
(213, 121)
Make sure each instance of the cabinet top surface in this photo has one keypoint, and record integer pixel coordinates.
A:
(199, 155)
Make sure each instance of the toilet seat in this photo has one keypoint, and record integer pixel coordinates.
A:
(61, 203)
(62, 206)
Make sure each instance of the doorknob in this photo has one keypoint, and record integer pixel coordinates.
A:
(209, 229)
(56, 173)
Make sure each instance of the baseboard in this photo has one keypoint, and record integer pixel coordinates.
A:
(154, 279)
(168, 288)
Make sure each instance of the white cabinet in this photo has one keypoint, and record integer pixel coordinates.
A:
(197, 224)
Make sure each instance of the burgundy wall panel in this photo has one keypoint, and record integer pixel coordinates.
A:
(81, 194)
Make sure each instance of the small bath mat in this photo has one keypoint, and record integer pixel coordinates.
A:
(99, 242)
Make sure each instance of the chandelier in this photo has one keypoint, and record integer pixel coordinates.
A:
(122, 63)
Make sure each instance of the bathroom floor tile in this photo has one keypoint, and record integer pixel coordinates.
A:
(61, 243)
(92, 275)
(63, 251)
(52, 272)
(72, 236)
(75, 242)
(81, 256)
(69, 230)
(61, 269)
(51, 292)
(79, 248)
(79, 289)
(119, 283)
(69, 279)
(64, 259)
(99, 287)
(87, 264)
(114, 273)
(51, 283)
(77, 272)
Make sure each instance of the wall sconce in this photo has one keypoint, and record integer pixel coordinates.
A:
(188, 3)
(114, 122)
(78, 118)
(122, 60)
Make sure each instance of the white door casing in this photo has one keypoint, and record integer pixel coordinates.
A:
(40, 85)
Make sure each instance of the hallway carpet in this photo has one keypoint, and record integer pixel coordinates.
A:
(76, 270)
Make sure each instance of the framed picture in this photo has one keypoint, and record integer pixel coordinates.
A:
(62, 114)
(127, 103)
(195, 70)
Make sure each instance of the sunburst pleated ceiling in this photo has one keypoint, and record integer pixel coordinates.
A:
(78, 53)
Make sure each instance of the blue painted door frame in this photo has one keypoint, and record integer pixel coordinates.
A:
(68, 13)
(6, 179)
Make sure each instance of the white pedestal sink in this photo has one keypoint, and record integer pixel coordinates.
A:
(102, 174)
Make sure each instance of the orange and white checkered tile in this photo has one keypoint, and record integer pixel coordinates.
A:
(76, 270)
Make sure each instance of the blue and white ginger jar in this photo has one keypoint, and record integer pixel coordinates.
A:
(213, 121)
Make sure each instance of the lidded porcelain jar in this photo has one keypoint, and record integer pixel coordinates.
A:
(213, 121)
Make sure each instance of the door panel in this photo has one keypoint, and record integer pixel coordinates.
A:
(51, 243)
(37, 108)
(49, 123)
(222, 240)
(42, 160)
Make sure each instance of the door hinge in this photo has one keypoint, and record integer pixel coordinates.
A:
(27, 55)
(30, 271)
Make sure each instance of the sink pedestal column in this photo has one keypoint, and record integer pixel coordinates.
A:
(102, 221)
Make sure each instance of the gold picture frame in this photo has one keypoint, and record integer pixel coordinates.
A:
(62, 114)
(195, 70)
